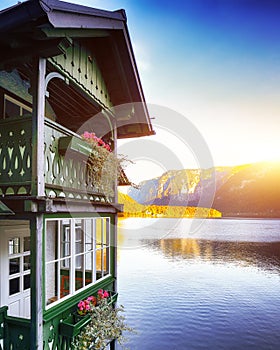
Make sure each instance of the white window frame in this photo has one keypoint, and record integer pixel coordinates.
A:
(65, 257)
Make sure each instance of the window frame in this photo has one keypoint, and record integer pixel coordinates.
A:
(67, 244)
(22, 106)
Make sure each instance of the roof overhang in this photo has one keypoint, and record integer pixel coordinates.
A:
(46, 28)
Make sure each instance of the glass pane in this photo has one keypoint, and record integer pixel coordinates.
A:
(79, 247)
(99, 266)
(98, 232)
(14, 265)
(78, 232)
(26, 113)
(79, 261)
(89, 279)
(106, 231)
(88, 235)
(14, 246)
(26, 263)
(26, 244)
(79, 279)
(88, 262)
(88, 268)
(88, 247)
(51, 240)
(65, 249)
(65, 240)
(65, 263)
(106, 261)
(11, 109)
(14, 286)
(51, 282)
(26, 282)
(65, 280)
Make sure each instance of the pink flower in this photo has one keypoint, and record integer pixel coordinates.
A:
(91, 137)
(105, 294)
(86, 134)
(81, 305)
(102, 294)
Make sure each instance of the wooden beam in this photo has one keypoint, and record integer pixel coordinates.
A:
(36, 237)
(38, 112)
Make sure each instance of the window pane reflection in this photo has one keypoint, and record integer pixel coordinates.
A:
(14, 286)
(14, 246)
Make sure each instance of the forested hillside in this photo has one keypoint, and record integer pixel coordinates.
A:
(250, 190)
(132, 208)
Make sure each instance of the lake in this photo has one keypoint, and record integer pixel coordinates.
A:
(200, 284)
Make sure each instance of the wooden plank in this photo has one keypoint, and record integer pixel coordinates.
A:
(38, 112)
(36, 227)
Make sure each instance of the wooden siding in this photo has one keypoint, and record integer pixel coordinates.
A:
(79, 64)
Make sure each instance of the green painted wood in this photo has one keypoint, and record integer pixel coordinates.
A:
(70, 327)
(60, 326)
(67, 176)
(64, 176)
(3, 315)
(17, 333)
(74, 145)
(15, 156)
(79, 64)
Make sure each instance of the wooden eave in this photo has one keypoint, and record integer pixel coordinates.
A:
(46, 28)
(33, 205)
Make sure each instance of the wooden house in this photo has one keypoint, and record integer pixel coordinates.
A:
(64, 69)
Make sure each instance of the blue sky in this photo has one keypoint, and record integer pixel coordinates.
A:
(217, 62)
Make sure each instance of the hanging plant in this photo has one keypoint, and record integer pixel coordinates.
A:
(104, 167)
(107, 323)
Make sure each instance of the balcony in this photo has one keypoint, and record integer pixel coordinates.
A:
(66, 174)
(60, 326)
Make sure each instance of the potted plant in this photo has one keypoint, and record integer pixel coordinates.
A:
(102, 164)
(107, 323)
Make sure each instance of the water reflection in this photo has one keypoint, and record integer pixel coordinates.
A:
(265, 255)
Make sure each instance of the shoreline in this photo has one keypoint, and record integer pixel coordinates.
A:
(198, 217)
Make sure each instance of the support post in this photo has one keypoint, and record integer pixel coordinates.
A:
(116, 215)
(37, 190)
(37, 227)
(38, 113)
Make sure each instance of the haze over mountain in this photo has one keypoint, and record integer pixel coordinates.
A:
(250, 190)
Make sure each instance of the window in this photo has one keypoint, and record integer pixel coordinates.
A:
(77, 255)
(19, 264)
(14, 108)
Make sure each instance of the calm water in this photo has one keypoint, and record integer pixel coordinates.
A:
(210, 284)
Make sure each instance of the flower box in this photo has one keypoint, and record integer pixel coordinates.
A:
(70, 327)
(74, 323)
(73, 145)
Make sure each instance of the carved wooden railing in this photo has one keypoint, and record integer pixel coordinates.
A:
(66, 174)
(60, 328)
(14, 331)
(15, 156)
(60, 325)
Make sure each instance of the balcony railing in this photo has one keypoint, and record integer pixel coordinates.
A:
(66, 174)
(14, 331)
(60, 325)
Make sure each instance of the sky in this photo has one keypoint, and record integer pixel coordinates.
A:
(217, 64)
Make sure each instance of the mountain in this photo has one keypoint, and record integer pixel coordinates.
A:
(132, 208)
(250, 190)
